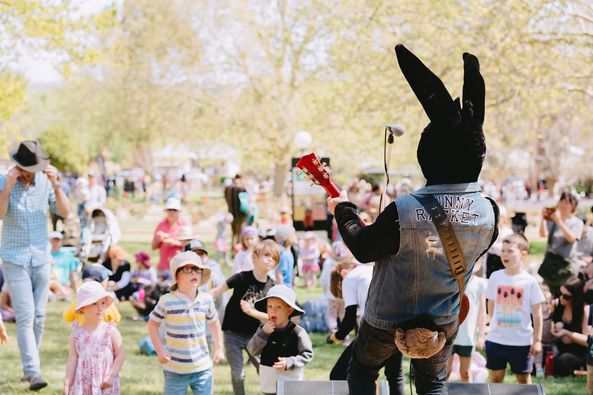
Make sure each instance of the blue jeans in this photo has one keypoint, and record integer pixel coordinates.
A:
(234, 344)
(373, 347)
(28, 287)
(199, 382)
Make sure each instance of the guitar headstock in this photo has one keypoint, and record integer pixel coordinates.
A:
(312, 166)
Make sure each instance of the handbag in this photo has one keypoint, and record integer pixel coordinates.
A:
(554, 268)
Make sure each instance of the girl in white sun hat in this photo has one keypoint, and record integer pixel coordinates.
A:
(96, 348)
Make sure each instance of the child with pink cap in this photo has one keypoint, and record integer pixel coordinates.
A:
(96, 348)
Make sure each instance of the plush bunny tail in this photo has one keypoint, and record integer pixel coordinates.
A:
(419, 343)
(428, 88)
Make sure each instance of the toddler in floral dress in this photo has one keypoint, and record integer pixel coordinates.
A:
(96, 348)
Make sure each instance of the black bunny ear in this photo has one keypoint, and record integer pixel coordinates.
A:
(474, 89)
(428, 88)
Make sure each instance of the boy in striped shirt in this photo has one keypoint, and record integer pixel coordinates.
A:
(185, 311)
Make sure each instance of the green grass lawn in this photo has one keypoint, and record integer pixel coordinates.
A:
(143, 375)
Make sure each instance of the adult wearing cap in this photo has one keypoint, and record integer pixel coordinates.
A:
(26, 191)
(64, 263)
(166, 234)
(120, 281)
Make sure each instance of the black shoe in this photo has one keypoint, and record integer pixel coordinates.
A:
(37, 383)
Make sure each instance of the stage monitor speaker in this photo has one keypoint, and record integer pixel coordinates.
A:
(495, 389)
(341, 388)
(328, 387)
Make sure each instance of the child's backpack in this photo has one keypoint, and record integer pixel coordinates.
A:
(152, 293)
(146, 347)
(314, 318)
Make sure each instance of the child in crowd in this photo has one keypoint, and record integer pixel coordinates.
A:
(221, 244)
(513, 294)
(6, 310)
(143, 276)
(466, 336)
(285, 237)
(351, 283)
(335, 306)
(590, 353)
(548, 339)
(4, 338)
(284, 347)
(184, 312)
(309, 254)
(96, 348)
(241, 319)
(248, 238)
(93, 273)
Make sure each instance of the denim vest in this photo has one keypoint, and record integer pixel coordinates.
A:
(417, 281)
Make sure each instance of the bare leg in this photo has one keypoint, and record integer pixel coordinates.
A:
(464, 365)
(497, 376)
(523, 378)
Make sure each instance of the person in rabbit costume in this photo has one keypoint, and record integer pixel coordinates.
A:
(413, 303)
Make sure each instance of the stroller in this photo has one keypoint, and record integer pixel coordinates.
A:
(102, 232)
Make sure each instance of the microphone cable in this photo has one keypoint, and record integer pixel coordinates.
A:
(388, 139)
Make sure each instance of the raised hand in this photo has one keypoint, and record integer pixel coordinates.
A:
(52, 175)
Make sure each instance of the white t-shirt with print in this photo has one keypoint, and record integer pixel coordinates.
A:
(513, 297)
(355, 288)
(476, 287)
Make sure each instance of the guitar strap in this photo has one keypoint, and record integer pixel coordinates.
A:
(449, 242)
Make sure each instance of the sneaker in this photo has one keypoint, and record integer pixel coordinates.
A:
(539, 372)
(36, 383)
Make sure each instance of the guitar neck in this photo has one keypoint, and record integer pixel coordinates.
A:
(331, 189)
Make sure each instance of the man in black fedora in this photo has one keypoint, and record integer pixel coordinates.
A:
(25, 192)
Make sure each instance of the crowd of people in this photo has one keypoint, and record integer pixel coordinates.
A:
(538, 323)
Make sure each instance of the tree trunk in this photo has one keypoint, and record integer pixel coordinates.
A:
(280, 171)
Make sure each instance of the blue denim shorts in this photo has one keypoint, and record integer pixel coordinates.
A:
(519, 357)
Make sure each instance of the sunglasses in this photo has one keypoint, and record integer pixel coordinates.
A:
(565, 296)
(190, 269)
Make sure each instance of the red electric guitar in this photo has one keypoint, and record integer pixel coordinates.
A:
(313, 167)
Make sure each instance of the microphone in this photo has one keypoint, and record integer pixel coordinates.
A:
(397, 130)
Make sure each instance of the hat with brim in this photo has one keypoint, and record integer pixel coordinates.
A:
(143, 258)
(55, 235)
(185, 233)
(29, 157)
(173, 203)
(286, 294)
(92, 292)
(188, 258)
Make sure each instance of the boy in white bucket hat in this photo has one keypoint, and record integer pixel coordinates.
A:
(284, 347)
(185, 357)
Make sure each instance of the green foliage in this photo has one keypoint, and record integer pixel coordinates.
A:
(252, 74)
(64, 150)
